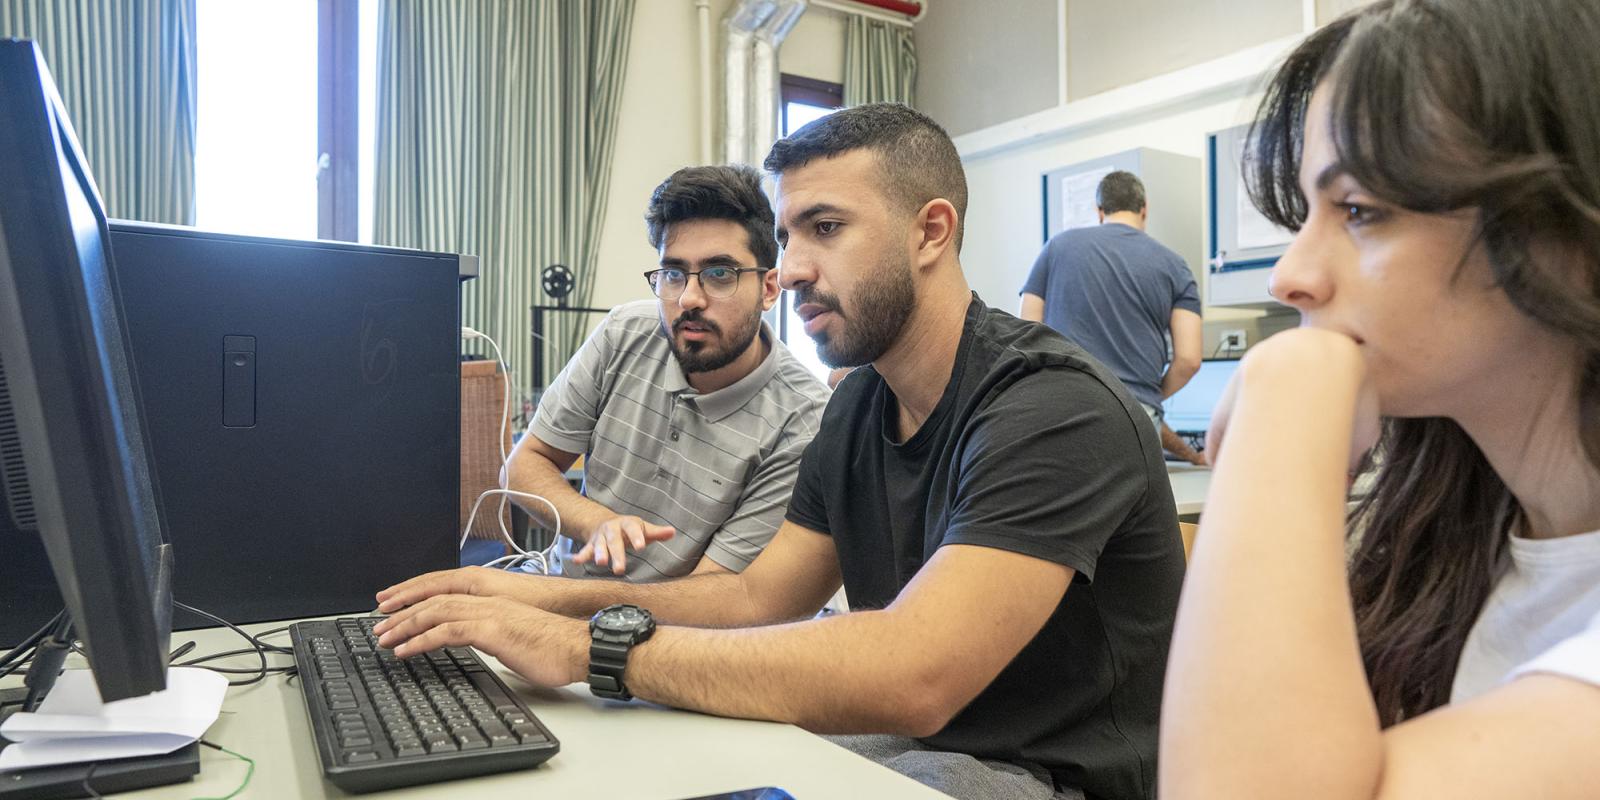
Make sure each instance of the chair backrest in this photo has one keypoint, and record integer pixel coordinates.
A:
(1187, 529)
(483, 397)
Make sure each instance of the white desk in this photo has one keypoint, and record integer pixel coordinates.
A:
(608, 750)
(1190, 484)
(1189, 487)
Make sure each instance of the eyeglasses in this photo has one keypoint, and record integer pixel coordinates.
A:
(716, 282)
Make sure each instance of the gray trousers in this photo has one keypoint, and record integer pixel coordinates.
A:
(1155, 413)
(957, 774)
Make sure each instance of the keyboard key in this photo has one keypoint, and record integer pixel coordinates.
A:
(410, 750)
(360, 757)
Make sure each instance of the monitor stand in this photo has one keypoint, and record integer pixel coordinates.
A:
(76, 780)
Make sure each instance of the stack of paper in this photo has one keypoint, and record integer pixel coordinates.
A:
(72, 725)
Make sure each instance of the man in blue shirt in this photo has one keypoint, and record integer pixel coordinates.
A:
(1119, 293)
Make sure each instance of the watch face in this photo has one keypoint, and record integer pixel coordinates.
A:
(622, 620)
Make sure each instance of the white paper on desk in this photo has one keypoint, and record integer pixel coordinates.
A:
(72, 724)
(45, 752)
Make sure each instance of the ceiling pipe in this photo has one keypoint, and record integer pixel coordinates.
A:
(739, 28)
(764, 89)
(910, 9)
(702, 10)
(895, 12)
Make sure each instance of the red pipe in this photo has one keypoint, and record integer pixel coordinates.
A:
(897, 6)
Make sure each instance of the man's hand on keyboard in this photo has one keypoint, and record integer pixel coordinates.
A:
(546, 649)
(474, 581)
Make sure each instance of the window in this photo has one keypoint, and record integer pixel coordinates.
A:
(803, 100)
(284, 117)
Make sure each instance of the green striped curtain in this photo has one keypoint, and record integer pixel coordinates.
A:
(126, 73)
(496, 127)
(880, 62)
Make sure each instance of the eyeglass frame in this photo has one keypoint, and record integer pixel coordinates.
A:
(739, 271)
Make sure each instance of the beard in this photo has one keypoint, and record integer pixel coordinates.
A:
(716, 353)
(883, 303)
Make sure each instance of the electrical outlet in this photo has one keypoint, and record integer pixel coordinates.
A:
(1233, 340)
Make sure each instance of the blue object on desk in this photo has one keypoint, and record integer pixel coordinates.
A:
(764, 793)
(481, 551)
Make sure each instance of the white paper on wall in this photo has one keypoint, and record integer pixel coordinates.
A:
(1251, 229)
(1078, 202)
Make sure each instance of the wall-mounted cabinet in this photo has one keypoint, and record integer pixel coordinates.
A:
(1241, 244)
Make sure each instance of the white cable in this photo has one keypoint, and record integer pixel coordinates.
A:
(540, 558)
(505, 369)
(505, 416)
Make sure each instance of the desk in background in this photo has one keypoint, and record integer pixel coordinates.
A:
(1190, 484)
(1189, 487)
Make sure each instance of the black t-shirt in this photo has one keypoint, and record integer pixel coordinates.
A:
(1034, 448)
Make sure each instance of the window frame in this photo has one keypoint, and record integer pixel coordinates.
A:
(810, 92)
(806, 91)
(338, 119)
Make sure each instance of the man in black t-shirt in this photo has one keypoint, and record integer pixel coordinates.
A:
(992, 499)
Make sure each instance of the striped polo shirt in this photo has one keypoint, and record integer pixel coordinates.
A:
(717, 467)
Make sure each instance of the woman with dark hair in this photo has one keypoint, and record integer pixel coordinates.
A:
(1440, 163)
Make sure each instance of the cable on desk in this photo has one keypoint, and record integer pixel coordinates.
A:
(180, 652)
(275, 647)
(249, 772)
(19, 655)
(540, 558)
(255, 646)
(196, 662)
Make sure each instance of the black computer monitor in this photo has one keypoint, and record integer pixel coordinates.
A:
(72, 437)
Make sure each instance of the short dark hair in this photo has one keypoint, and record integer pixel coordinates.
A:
(731, 192)
(917, 158)
(1120, 191)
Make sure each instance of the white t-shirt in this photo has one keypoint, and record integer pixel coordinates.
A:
(1542, 616)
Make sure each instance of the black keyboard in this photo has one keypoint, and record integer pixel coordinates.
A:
(381, 722)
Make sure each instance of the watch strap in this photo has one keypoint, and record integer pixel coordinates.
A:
(608, 660)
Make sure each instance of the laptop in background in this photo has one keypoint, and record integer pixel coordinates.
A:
(1188, 412)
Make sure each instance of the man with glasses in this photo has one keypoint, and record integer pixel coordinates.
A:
(691, 415)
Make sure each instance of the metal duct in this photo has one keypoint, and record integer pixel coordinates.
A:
(702, 12)
(764, 90)
(738, 29)
(754, 31)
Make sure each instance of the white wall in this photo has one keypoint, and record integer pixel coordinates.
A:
(1004, 205)
(1172, 112)
(660, 121)
(660, 129)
